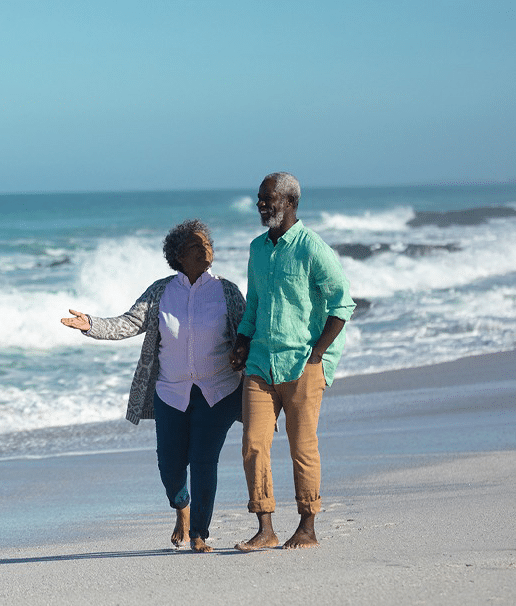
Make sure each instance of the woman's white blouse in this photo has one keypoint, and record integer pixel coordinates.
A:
(195, 343)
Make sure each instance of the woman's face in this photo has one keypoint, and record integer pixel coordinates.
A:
(197, 254)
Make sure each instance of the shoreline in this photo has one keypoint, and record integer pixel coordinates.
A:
(99, 437)
(481, 368)
(418, 503)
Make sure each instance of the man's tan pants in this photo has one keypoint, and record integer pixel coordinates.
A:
(262, 403)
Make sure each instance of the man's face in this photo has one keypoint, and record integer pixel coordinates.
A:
(271, 205)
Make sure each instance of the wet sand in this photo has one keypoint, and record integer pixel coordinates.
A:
(418, 508)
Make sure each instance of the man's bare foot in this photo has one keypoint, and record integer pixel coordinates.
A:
(199, 546)
(261, 540)
(180, 535)
(264, 538)
(301, 539)
(304, 535)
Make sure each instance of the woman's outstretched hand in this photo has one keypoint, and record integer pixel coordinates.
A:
(80, 321)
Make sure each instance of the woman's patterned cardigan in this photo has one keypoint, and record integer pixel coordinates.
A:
(143, 317)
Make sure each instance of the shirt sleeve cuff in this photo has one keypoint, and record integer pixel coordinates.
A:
(247, 329)
(342, 312)
(86, 333)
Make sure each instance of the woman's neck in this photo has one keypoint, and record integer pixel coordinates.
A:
(194, 276)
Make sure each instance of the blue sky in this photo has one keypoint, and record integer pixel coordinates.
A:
(172, 94)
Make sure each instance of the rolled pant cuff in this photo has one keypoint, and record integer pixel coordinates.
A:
(263, 506)
(308, 507)
(198, 535)
(181, 504)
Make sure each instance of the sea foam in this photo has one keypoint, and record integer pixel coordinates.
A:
(387, 221)
(455, 297)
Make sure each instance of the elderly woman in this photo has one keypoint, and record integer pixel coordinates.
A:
(183, 378)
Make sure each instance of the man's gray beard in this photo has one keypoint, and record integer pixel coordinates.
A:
(273, 222)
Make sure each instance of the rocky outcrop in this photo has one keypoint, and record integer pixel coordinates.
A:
(470, 216)
(360, 252)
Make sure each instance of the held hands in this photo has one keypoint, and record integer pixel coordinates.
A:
(80, 322)
(240, 352)
(238, 356)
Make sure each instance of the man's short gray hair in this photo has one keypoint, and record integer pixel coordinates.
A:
(286, 185)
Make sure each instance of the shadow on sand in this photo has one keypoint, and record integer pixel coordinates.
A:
(143, 553)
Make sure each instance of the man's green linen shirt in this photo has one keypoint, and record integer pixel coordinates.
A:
(292, 289)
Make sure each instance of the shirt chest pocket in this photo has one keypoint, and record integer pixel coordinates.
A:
(292, 281)
(292, 269)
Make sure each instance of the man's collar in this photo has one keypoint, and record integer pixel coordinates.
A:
(290, 234)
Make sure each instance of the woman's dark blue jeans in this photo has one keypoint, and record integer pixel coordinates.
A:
(194, 437)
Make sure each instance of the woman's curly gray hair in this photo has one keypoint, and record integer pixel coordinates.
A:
(178, 236)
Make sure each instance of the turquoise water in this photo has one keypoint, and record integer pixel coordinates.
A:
(96, 252)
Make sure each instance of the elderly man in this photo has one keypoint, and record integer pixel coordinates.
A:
(290, 340)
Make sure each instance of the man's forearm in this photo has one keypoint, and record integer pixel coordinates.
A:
(330, 332)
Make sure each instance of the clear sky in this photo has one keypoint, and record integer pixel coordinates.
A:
(172, 94)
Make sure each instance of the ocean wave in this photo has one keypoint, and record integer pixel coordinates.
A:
(427, 294)
(419, 328)
(384, 221)
(106, 281)
(34, 320)
(245, 204)
(103, 282)
(482, 255)
(26, 409)
(382, 277)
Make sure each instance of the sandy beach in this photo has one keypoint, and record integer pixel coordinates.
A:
(418, 508)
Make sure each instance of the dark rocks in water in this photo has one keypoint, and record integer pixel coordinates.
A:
(470, 216)
(419, 250)
(56, 263)
(364, 251)
(360, 251)
(63, 261)
(363, 305)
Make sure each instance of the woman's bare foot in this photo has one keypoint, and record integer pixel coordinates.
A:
(304, 535)
(265, 537)
(199, 546)
(180, 535)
